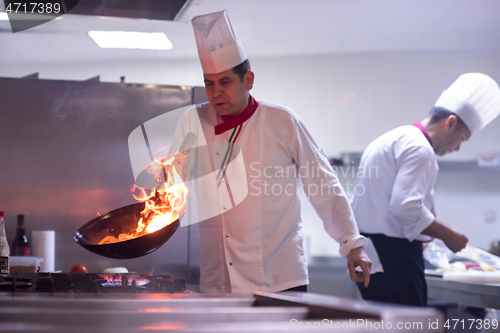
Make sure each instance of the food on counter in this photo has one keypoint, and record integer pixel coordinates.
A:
(469, 259)
(473, 276)
(464, 266)
(78, 269)
(487, 268)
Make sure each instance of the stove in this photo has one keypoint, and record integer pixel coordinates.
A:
(127, 303)
(92, 283)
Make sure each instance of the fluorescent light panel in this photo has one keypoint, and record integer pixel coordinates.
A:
(131, 40)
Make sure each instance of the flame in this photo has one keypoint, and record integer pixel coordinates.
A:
(170, 325)
(163, 205)
(116, 279)
(155, 310)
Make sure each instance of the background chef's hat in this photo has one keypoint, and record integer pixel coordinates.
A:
(475, 98)
(219, 48)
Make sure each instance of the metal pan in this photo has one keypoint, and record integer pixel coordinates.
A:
(116, 222)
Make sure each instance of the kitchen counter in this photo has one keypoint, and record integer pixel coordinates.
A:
(187, 311)
(471, 294)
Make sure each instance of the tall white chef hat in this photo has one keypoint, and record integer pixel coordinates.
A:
(475, 98)
(219, 48)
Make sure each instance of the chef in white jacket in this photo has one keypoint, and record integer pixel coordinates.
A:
(254, 240)
(394, 203)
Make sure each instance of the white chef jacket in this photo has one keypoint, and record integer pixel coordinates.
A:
(394, 194)
(258, 244)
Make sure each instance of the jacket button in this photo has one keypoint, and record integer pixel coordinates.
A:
(218, 153)
(231, 263)
(227, 235)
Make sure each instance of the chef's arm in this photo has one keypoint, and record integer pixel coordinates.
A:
(324, 191)
(454, 239)
(329, 200)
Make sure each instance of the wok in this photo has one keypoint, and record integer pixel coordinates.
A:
(122, 220)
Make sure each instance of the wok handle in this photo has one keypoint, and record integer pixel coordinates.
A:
(188, 142)
(185, 147)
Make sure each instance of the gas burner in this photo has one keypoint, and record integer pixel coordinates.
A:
(124, 279)
(163, 283)
(61, 282)
(14, 283)
(93, 283)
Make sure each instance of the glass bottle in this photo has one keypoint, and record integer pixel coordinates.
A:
(4, 248)
(20, 245)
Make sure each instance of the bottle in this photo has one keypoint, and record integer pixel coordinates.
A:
(20, 245)
(4, 248)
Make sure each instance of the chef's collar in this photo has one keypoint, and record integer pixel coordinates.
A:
(230, 122)
(422, 128)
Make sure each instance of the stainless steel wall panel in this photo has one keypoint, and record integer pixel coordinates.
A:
(64, 158)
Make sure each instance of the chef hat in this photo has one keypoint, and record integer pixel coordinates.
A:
(475, 98)
(219, 48)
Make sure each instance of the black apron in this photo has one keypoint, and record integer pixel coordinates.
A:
(403, 279)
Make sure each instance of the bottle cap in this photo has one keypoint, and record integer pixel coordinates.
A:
(20, 220)
(1, 213)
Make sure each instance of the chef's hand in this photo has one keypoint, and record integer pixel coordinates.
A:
(357, 257)
(455, 240)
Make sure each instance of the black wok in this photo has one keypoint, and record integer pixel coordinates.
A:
(116, 222)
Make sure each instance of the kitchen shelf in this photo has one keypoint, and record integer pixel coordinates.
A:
(470, 165)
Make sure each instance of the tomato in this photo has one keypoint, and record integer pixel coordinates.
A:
(78, 269)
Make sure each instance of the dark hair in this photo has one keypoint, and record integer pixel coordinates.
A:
(439, 113)
(242, 69)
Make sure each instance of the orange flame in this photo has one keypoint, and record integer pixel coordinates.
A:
(163, 205)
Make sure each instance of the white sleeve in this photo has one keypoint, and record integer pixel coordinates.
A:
(323, 189)
(413, 178)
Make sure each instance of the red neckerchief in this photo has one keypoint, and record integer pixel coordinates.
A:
(420, 127)
(234, 121)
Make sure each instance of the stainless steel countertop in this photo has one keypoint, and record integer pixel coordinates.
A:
(193, 312)
(480, 295)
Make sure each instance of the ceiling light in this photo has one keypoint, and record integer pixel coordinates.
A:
(131, 40)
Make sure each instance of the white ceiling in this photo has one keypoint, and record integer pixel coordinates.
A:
(275, 28)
